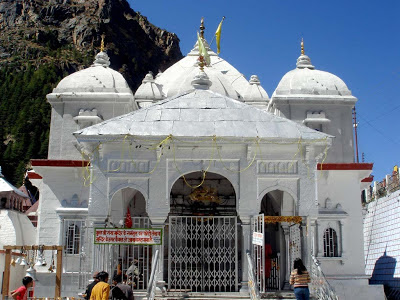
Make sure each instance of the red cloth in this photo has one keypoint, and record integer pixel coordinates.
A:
(22, 295)
(268, 260)
(128, 219)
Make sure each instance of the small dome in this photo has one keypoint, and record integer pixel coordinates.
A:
(305, 80)
(97, 78)
(148, 91)
(255, 93)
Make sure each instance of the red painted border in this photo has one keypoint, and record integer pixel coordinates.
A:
(59, 163)
(368, 179)
(345, 166)
(33, 175)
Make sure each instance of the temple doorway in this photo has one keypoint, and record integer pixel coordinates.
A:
(203, 234)
(132, 262)
(277, 222)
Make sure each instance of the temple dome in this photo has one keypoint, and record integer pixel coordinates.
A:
(305, 80)
(97, 78)
(226, 80)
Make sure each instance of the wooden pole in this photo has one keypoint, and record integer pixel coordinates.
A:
(58, 272)
(6, 276)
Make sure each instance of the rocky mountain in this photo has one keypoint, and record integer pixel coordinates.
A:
(42, 41)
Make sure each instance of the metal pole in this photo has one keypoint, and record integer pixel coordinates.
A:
(355, 130)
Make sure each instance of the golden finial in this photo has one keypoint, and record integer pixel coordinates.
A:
(202, 28)
(302, 46)
(102, 43)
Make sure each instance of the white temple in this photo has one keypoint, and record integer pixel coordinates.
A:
(209, 158)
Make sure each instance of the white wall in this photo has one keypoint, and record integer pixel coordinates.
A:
(15, 229)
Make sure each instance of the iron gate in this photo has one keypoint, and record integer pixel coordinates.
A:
(267, 268)
(203, 255)
(294, 243)
(258, 252)
(132, 260)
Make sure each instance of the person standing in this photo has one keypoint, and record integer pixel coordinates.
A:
(101, 291)
(91, 286)
(300, 278)
(121, 291)
(21, 292)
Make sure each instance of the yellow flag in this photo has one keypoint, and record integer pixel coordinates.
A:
(203, 51)
(218, 36)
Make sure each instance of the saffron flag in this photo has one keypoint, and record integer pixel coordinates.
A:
(203, 51)
(128, 219)
(218, 36)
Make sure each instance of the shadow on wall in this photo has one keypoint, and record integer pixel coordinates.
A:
(383, 273)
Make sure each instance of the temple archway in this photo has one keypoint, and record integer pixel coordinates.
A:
(196, 195)
(202, 234)
(278, 236)
(128, 209)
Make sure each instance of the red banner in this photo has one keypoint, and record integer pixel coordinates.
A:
(128, 236)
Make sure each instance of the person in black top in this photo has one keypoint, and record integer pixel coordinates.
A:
(91, 285)
(121, 291)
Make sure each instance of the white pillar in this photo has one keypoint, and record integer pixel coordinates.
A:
(287, 251)
(246, 245)
(158, 222)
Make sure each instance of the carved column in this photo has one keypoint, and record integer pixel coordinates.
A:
(286, 231)
(246, 245)
(314, 237)
(341, 239)
(158, 223)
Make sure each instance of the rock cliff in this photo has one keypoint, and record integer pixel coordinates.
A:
(42, 41)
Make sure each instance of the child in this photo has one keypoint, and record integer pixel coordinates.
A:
(21, 292)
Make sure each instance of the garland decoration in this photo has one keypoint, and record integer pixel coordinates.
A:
(281, 219)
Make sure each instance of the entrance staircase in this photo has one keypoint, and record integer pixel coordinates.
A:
(283, 295)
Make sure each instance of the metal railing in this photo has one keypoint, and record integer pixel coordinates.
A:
(382, 188)
(151, 289)
(320, 287)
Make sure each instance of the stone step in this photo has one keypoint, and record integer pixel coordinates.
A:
(283, 295)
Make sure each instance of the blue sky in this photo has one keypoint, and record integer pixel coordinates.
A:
(358, 41)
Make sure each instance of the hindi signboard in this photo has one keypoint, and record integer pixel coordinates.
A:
(130, 236)
(258, 238)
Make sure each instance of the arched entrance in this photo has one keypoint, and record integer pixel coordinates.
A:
(202, 239)
(133, 262)
(281, 231)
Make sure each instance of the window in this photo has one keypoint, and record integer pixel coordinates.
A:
(330, 243)
(73, 236)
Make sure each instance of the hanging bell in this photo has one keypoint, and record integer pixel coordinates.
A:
(44, 263)
(12, 263)
(18, 260)
(31, 272)
(39, 261)
(23, 262)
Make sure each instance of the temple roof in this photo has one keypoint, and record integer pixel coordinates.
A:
(200, 112)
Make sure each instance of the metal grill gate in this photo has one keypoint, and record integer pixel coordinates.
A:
(133, 259)
(258, 252)
(266, 279)
(294, 243)
(203, 254)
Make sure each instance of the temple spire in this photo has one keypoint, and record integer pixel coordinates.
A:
(102, 43)
(202, 28)
(302, 46)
